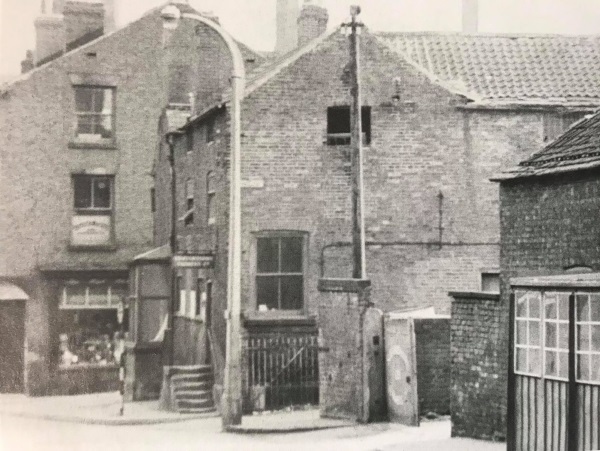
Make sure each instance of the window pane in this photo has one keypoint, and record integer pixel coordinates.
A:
(583, 307)
(101, 192)
(521, 301)
(76, 295)
(521, 332)
(105, 128)
(534, 333)
(267, 292)
(563, 306)
(338, 119)
(595, 307)
(551, 368)
(583, 338)
(535, 361)
(551, 335)
(106, 101)
(583, 367)
(98, 295)
(83, 192)
(85, 125)
(521, 360)
(291, 254)
(291, 293)
(550, 303)
(268, 255)
(595, 338)
(563, 363)
(84, 99)
(535, 299)
(563, 336)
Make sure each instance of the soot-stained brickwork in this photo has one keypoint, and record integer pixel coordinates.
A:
(478, 366)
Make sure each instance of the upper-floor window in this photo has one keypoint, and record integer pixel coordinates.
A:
(210, 130)
(189, 139)
(280, 271)
(188, 218)
(210, 197)
(95, 111)
(339, 127)
(92, 222)
(92, 194)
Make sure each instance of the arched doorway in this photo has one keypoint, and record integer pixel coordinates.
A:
(12, 337)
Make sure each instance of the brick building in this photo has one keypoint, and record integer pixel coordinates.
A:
(550, 261)
(442, 113)
(78, 138)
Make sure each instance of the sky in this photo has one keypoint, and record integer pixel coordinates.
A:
(253, 21)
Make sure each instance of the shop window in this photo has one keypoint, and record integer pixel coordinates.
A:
(88, 328)
(528, 346)
(280, 272)
(91, 223)
(188, 218)
(588, 337)
(95, 113)
(210, 197)
(339, 126)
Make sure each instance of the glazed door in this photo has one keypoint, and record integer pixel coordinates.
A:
(12, 346)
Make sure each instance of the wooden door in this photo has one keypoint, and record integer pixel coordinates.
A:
(12, 346)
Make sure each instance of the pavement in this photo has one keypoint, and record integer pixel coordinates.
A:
(104, 409)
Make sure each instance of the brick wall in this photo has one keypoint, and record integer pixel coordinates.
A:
(478, 375)
(433, 364)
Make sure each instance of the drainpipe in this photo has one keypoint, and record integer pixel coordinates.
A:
(232, 394)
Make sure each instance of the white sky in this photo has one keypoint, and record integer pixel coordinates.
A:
(253, 21)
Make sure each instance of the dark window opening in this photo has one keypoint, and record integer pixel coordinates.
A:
(153, 200)
(92, 192)
(189, 203)
(189, 139)
(210, 130)
(339, 126)
(199, 286)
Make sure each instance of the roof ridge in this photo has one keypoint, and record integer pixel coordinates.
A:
(486, 34)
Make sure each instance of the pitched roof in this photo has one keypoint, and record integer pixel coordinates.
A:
(508, 69)
(576, 149)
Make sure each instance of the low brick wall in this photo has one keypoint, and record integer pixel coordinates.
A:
(478, 378)
(433, 364)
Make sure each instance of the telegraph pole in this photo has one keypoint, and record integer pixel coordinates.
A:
(359, 266)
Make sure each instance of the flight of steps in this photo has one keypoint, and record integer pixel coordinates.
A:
(193, 388)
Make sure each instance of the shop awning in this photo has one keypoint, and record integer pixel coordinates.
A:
(11, 292)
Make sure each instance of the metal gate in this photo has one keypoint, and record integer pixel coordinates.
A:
(281, 370)
(554, 383)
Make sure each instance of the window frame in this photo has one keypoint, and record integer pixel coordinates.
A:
(93, 209)
(77, 139)
(527, 347)
(590, 352)
(190, 191)
(211, 192)
(344, 138)
(280, 234)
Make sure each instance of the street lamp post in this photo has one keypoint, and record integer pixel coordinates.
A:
(231, 406)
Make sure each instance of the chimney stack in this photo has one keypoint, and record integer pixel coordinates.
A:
(110, 16)
(312, 22)
(287, 25)
(470, 16)
(83, 18)
(50, 36)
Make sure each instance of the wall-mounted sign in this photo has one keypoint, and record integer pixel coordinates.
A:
(193, 261)
(90, 230)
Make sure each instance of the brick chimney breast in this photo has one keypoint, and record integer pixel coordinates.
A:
(312, 22)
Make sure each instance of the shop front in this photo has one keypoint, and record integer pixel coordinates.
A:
(89, 327)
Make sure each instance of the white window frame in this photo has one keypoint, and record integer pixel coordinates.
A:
(99, 116)
(589, 324)
(527, 346)
(559, 323)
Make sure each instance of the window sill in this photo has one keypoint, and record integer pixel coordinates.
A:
(98, 248)
(103, 145)
(281, 317)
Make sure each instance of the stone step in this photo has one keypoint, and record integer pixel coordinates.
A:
(185, 378)
(182, 385)
(190, 369)
(194, 403)
(197, 410)
(193, 394)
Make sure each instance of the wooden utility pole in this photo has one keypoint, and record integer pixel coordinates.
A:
(359, 270)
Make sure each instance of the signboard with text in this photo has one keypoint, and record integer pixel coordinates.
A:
(88, 230)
